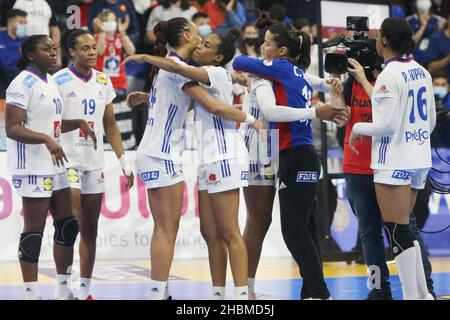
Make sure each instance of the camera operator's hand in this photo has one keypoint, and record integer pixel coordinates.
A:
(352, 140)
(356, 71)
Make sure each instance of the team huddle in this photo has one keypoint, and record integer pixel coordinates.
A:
(55, 126)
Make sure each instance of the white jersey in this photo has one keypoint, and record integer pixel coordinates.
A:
(412, 119)
(168, 105)
(251, 106)
(84, 98)
(217, 138)
(41, 100)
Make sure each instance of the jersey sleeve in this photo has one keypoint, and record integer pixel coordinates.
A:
(260, 82)
(218, 76)
(385, 87)
(19, 92)
(268, 69)
(110, 92)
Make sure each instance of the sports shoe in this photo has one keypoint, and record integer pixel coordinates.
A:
(377, 294)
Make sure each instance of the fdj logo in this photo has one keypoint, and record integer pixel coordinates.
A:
(402, 175)
(150, 175)
(306, 176)
(417, 135)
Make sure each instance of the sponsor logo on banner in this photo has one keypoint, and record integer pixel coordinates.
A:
(48, 184)
(72, 175)
(307, 176)
(17, 183)
(417, 136)
(402, 174)
(150, 175)
(244, 175)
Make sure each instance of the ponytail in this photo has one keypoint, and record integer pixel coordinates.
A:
(28, 46)
(303, 60)
(168, 32)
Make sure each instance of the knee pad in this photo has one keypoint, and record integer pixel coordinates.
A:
(400, 237)
(30, 246)
(66, 231)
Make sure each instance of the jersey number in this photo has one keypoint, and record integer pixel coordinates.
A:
(421, 105)
(58, 105)
(89, 106)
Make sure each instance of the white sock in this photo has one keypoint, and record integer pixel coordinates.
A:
(157, 289)
(407, 273)
(63, 290)
(251, 288)
(32, 291)
(241, 293)
(218, 293)
(85, 286)
(166, 291)
(422, 288)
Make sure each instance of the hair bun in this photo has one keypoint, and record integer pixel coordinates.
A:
(233, 35)
(264, 21)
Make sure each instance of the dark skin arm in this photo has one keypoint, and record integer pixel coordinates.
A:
(74, 124)
(112, 133)
(14, 118)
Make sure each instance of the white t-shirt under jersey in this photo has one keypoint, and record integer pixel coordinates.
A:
(42, 102)
(168, 105)
(217, 138)
(404, 115)
(84, 98)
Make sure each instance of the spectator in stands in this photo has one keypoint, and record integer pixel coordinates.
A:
(113, 45)
(41, 19)
(203, 24)
(424, 25)
(440, 87)
(10, 41)
(224, 15)
(278, 13)
(167, 10)
(438, 53)
(122, 9)
(250, 44)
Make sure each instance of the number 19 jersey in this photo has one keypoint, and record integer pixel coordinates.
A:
(84, 98)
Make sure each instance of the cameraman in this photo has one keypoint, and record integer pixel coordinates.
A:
(359, 181)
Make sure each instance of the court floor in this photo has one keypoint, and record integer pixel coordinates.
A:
(277, 279)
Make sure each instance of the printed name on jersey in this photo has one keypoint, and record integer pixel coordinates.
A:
(101, 78)
(73, 175)
(63, 78)
(417, 136)
(150, 175)
(402, 174)
(306, 176)
(17, 183)
(268, 62)
(29, 81)
(48, 184)
(56, 129)
(414, 74)
(244, 175)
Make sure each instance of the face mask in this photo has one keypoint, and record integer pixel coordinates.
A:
(251, 41)
(423, 5)
(110, 26)
(440, 92)
(204, 30)
(21, 31)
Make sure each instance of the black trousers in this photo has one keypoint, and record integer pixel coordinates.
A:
(299, 172)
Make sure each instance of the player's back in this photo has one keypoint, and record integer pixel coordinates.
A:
(409, 146)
